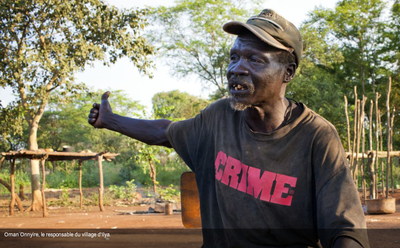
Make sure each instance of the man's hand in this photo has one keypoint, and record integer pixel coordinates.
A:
(152, 132)
(100, 112)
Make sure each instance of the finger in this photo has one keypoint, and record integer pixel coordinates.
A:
(93, 115)
(93, 110)
(91, 120)
(105, 96)
(96, 105)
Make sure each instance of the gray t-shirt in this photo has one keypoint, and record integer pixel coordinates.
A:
(290, 188)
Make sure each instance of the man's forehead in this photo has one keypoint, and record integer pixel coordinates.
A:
(250, 38)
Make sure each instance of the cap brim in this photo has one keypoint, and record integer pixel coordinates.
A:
(238, 28)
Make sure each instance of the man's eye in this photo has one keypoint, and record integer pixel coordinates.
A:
(234, 57)
(256, 60)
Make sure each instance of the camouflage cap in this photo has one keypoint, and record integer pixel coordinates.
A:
(271, 28)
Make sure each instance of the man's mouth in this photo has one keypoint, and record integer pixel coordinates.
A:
(239, 87)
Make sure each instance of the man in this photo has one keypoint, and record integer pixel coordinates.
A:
(270, 172)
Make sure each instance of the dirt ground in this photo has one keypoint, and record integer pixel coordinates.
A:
(133, 226)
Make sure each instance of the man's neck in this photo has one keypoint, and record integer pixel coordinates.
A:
(266, 119)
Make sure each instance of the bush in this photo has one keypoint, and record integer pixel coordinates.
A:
(21, 178)
(124, 192)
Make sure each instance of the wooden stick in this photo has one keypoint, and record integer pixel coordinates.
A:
(80, 183)
(101, 188)
(12, 203)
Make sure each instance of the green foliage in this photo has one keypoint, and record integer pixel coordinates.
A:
(315, 83)
(21, 178)
(357, 27)
(64, 199)
(66, 124)
(93, 199)
(192, 41)
(176, 105)
(124, 192)
(169, 193)
(68, 177)
(350, 45)
(44, 43)
(11, 128)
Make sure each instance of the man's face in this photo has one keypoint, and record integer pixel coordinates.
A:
(255, 73)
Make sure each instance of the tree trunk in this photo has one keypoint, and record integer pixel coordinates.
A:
(35, 170)
(153, 177)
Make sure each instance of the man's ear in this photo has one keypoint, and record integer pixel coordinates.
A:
(290, 72)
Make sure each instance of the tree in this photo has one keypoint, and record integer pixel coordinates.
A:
(66, 123)
(392, 58)
(176, 105)
(357, 26)
(45, 42)
(12, 136)
(192, 41)
(346, 46)
(315, 83)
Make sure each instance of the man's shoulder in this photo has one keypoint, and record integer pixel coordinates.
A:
(220, 103)
(317, 120)
(217, 107)
(319, 128)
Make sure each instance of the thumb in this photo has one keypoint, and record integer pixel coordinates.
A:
(105, 96)
(105, 105)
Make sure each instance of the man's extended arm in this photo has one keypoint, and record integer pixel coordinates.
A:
(152, 132)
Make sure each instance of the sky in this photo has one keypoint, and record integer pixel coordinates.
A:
(124, 76)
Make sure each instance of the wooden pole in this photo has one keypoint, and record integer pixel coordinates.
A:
(1, 161)
(153, 176)
(353, 161)
(381, 149)
(376, 165)
(43, 161)
(391, 148)
(372, 171)
(362, 124)
(101, 188)
(388, 127)
(358, 127)
(348, 124)
(80, 183)
(12, 203)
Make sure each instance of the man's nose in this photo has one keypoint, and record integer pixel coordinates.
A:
(239, 68)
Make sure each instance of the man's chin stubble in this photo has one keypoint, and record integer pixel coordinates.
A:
(238, 106)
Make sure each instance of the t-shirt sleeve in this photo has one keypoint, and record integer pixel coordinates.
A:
(184, 137)
(339, 210)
